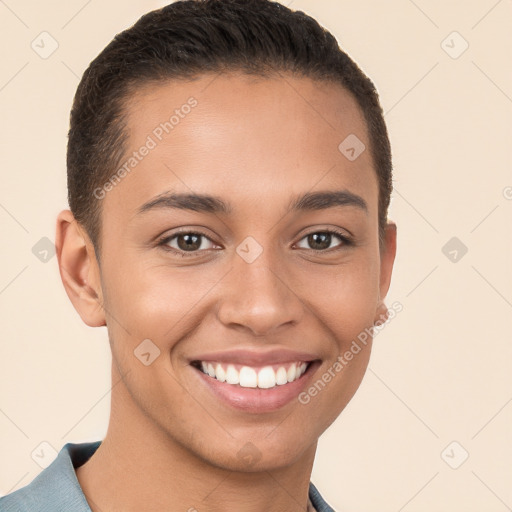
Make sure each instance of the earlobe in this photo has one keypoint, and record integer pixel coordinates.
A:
(79, 269)
(381, 315)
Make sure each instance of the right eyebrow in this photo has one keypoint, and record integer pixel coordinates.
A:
(194, 202)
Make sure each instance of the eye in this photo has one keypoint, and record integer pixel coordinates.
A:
(323, 240)
(187, 242)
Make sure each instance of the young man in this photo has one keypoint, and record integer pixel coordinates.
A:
(229, 176)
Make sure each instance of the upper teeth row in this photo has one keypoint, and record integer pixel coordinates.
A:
(249, 377)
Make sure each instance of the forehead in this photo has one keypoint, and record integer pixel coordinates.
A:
(249, 137)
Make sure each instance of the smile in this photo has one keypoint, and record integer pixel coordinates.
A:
(254, 382)
(265, 377)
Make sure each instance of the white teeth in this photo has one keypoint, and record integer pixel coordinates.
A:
(291, 374)
(220, 374)
(301, 368)
(248, 377)
(266, 378)
(281, 377)
(232, 376)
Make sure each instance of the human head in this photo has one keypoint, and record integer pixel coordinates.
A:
(182, 41)
(261, 143)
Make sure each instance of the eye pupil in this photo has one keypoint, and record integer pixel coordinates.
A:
(189, 242)
(319, 240)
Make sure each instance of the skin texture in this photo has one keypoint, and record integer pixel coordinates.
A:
(256, 144)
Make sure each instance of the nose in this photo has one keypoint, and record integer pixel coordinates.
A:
(258, 297)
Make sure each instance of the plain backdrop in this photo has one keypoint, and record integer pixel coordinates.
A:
(429, 428)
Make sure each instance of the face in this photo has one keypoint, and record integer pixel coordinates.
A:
(240, 259)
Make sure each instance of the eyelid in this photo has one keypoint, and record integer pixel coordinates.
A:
(163, 241)
(346, 239)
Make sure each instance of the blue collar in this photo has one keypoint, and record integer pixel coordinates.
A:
(56, 488)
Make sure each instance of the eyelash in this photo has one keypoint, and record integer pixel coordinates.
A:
(345, 239)
(346, 242)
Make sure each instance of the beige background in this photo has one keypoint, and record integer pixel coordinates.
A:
(440, 371)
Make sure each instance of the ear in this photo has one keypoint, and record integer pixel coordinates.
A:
(387, 258)
(79, 269)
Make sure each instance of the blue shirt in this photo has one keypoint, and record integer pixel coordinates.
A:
(56, 488)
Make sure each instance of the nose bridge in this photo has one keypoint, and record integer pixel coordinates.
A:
(258, 296)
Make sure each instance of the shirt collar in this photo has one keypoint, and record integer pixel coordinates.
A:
(56, 488)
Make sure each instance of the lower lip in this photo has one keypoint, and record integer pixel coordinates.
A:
(256, 400)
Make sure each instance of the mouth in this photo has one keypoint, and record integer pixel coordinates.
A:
(265, 377)
(254, 388)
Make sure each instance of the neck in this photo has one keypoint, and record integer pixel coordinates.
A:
(138, 466)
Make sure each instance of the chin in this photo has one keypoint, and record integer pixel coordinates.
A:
(259, 455)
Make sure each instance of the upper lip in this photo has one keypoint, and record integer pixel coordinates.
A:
(255, 358)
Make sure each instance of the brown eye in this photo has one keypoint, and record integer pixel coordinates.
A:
(319, 240)
(188, 242)
(322, 240)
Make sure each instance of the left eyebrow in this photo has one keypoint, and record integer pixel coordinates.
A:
(328, 199)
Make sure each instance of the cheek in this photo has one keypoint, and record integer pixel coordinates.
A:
(346, 310)
(334, 386)
(155, 301)
(344, 299)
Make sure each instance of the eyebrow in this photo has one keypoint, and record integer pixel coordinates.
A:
(193, 202)
(212, 204)
(328, 199)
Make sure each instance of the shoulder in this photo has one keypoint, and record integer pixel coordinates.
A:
(56, 488)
